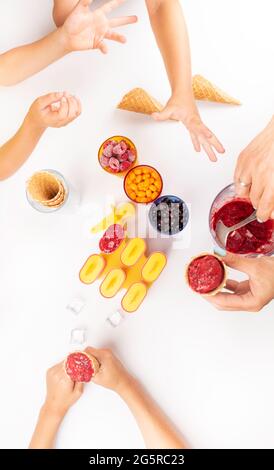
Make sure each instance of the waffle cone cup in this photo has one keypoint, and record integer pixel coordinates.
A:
(93, 360)
(58, 200)
(221, 286)
(139, 101)
(203, 89)
(44, 187)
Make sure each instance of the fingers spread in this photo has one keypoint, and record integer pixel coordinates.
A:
(216, 144)
(196, 143)
(113, 36)
(103, 47)
(110, 6)
(122, 21)
(209, 151)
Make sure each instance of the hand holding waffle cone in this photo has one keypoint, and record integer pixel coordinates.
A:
(139, 101)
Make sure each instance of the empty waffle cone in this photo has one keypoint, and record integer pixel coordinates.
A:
(58, 199)
(43, 187)
(139, 101)
(223, 283)
(203, 89)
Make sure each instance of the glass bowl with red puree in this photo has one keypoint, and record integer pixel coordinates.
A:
(254, 238)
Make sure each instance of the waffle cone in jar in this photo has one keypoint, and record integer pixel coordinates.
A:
(223, 283)
(203, 89)
(43, 187)
(58, 200)
(139, 101)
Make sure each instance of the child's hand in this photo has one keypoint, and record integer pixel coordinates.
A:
(85, 29)
(112, 373)
(251, 295)
(188, 114)
(54, 110)
(62, 393)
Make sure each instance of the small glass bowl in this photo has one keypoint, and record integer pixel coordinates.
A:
(153, 215)
(226, 195)
(42, 208)
(118, 138)
(150, 169)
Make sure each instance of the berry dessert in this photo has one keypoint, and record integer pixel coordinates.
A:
(253, 238)
(206, 274)
(169, 215)
(81, 367)
(117, 154)
(143, 184)
(112, 238)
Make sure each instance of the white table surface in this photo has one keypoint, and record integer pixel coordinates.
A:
(211, 371)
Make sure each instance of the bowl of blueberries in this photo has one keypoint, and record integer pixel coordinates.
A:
(169, 215)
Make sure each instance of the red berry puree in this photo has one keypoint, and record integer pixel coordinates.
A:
(254, 237)
(205, 274)
(79, 367)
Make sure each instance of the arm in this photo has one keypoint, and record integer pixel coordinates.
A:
(82, 30)
(250, 295)
(20, 63)
(168, 23)
(53, 110)
(157, 430)
(62, 393)
(254, 173)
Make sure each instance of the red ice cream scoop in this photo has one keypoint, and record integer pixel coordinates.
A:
(206, 274)
(81, 367)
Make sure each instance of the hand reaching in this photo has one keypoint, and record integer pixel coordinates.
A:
(85, 29)
(254, 173)
(200, 135)
(54, 110)
(250, 295)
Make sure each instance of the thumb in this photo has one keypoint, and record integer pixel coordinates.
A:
(240, 263)
(163, 115)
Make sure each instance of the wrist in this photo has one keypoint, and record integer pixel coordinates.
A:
(126, 385)
(53, 413)
(33, 127)
(62, 39)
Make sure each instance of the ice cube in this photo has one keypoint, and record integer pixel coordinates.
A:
(76, 306)
(115, 318)
(78, 336)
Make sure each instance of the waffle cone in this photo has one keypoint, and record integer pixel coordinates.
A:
(139, 101)
(58, 199)
(205, 90)
(44, 187)
(221, 286)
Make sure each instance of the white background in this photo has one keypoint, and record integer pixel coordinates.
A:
(212, 372)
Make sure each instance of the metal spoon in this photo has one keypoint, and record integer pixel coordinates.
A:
(222, 231)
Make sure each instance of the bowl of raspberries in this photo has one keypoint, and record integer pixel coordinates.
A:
(117, 155)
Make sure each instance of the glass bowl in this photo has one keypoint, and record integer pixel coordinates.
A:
(117, 139)
(164, 216)
(143, 184)
(252, 240)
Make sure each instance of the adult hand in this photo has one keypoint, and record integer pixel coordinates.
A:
(250, 295)
(188, 114)
(254, 173)
(85, 29)
(53, 110)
